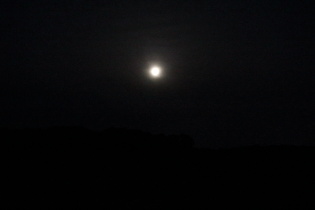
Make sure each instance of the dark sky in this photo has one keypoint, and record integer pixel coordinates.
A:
(235, 72)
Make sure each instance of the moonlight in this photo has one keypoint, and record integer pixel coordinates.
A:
(155, 72)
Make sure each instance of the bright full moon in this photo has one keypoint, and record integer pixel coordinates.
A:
(155, 71)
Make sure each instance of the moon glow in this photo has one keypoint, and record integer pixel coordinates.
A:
(155, 71)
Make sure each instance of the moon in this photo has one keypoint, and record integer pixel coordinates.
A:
(155, 71)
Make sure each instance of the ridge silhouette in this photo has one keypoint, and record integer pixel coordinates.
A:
(72, 167)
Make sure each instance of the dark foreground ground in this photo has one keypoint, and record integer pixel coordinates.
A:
(73, 168)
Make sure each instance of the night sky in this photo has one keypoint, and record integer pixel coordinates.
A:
(235, 73)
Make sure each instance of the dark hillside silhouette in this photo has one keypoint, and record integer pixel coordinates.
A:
(118, 168)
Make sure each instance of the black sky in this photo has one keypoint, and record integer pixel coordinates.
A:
(236, 72)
